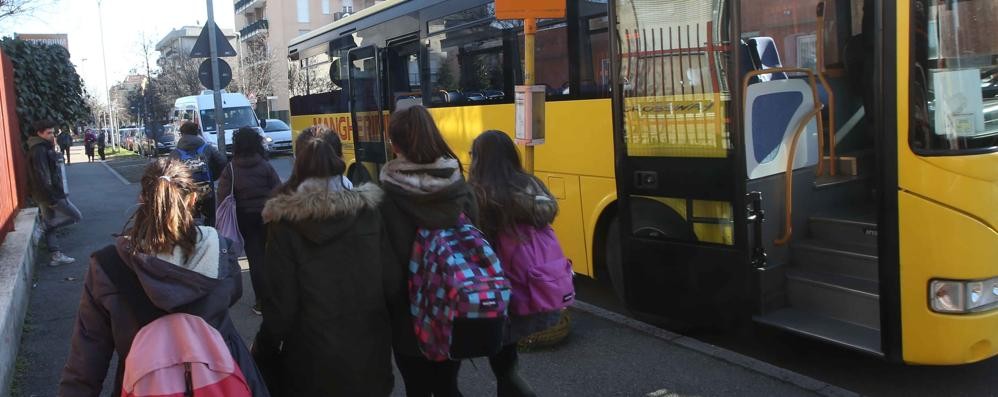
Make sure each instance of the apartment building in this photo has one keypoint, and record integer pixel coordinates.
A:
(266, 27)
(177, 45)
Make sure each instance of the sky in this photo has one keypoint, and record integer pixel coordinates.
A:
(125, 24)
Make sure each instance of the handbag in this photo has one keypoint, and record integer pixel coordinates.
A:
(225, 217)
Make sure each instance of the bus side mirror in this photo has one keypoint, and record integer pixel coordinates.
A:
(263, 123)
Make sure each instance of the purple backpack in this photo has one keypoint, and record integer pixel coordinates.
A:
(225, 218)
(537, 268)
(458, 295)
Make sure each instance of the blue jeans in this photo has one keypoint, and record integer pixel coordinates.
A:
(56, 215)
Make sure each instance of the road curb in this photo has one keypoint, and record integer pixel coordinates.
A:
(749, 363)
(120, 178)
(17, 265)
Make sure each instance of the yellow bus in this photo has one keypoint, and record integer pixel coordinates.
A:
(825, 168)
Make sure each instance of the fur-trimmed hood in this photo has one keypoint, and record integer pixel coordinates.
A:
(422, 178)
(319, 212)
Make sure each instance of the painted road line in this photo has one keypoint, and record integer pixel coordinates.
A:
(111, 170)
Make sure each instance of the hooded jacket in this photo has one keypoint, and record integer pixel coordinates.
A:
(206, 284)
(255, 179)
(329, 274)
(215, 159)
(531, 204)
(430, 196)
(45, 175)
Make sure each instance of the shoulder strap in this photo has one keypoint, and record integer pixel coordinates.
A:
(127, 283)
(201, 148)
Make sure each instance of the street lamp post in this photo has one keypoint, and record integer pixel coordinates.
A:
(107, 91)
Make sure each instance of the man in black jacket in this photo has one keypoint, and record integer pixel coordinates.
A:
(45, 180)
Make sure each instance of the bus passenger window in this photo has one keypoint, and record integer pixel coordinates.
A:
(404, 83)
(550, 57)
(594, 49)
(466, 66)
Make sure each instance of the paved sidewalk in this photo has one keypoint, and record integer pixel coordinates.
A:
(602, 357)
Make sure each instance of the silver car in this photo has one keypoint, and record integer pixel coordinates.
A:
(278, 135)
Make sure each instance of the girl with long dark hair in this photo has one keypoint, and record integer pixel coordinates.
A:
(163, 263)
(425, 189)
(329, 272)
(507, 197)
(251, 179)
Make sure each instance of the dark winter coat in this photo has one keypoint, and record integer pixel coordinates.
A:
(44, 175)
(206, 285)
(430, 196)
(216, 160)
(255, 181)
(65, 140)
(329, 274)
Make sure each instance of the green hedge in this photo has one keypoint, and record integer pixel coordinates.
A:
(46, 83)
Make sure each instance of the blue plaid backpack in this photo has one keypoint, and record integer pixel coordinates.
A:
(458, 294)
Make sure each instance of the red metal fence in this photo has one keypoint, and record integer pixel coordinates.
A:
(13, 181)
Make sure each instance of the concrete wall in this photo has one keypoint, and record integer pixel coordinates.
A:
(17, 265)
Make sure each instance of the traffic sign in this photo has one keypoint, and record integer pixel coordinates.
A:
(523, 9)
(202, 46)
(224, 74)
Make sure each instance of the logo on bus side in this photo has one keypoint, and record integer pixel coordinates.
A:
(339, 123)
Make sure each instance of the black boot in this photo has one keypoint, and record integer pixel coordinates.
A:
(505, 366)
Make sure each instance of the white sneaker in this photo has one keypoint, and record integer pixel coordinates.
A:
(58, 258)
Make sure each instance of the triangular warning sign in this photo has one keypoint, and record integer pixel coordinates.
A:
(202, 48)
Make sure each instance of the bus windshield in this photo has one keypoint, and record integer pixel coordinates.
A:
(234, 118)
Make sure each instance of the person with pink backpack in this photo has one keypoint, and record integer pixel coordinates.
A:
(515, 213)
(159, 297)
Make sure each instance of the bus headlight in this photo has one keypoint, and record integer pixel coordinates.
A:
(948, 296)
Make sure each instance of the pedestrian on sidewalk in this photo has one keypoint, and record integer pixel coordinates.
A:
(509, 197)
(89, 140)
(206, 163)
(250, 179)
(424, 188)
(65, 141)
(45, 179)
(162, 264)
(330, 273)
(101, 144)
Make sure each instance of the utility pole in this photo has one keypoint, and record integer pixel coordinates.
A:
(215, 79)
(107, 91)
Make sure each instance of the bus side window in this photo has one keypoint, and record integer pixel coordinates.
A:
(550, 57)
(466, 66)
(594, 51)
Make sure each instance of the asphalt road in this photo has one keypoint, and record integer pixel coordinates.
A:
(853, 371)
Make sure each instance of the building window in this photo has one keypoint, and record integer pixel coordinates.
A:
(325, 7)
(303, 11)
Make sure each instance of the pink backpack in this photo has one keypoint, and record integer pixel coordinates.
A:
(537, 268)
(181, 355)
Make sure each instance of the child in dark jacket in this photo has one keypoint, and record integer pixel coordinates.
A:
(329, 273)
(179, 266)
(507, 197)
(250, 179)
(424, 188)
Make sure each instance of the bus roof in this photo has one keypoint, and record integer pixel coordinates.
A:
(345, 21)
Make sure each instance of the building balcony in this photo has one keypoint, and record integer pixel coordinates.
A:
(243, 5)
(253, 29)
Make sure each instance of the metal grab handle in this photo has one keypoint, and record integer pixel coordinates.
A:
(815, 113)
(789, 184)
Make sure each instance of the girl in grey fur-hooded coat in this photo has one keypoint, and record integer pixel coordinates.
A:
(329, 270)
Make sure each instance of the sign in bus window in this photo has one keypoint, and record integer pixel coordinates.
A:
(954, 92)
(673, 70)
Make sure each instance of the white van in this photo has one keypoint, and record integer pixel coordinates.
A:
(201, 110)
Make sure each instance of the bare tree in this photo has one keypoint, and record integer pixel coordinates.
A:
(257, 65)
(14, 8)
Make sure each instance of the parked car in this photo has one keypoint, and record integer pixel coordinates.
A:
(278, 134)
(163, 143)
